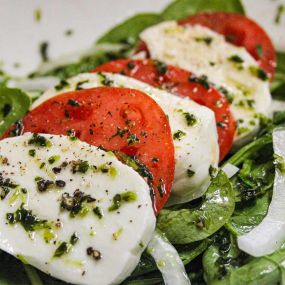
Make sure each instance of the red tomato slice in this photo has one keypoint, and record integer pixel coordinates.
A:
(117, 119)
(182, 83)
(241, 31)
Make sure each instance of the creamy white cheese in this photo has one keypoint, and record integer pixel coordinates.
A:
(196, 146)
(206, 53)
(103, 249)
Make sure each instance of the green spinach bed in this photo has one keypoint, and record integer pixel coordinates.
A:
(204, 231)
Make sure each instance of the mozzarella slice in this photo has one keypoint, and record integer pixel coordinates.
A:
(55, 226)
(196, 146)
(230, 68)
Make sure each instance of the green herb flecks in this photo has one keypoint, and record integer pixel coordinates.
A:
(132, 139)
(160, 67)
(38, 15)
(27, 219)
(62, 84)
(98, 212)
(236, 59)
(63, 249)
(80, 166)
(203, 80)
(206, 40)
(40, 141)
(179, 135)
(79, 85)
(258, 72)
(191, 120)
(279, 13)
(77, 205)
(53, 159)
(120, 199)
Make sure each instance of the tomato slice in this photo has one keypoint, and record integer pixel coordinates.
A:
(182, 83)
(241, 31)
(118, 119)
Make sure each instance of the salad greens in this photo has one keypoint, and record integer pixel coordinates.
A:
(204, 231)
(183, 8)
(13, 105)
(128, 31)
(187, 225)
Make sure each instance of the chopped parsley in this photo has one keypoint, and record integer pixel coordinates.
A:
(75, 204)
(53, 159)
(105, 80)
(62, 84)
(178, 135)
(190, 173)
(203, 80)
(39, 140)
(120, 132)
(64, 248)
(132, 139)
(98, 212)
(279, 13)
(73, 103)
(236, 59)
(74, 238)
(27, 220)
(206, 40)
(80, 166)
(79, 85)
(32, 152)
(190, 119)
(258, 72)
(160, 67)
(122, 198)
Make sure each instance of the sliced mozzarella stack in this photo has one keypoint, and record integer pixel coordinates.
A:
(72, 210)
(193, 127)
(232, 69)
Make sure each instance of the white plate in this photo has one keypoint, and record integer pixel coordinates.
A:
(21, 34)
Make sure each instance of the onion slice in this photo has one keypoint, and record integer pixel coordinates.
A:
(167, 260)
(269, 235)
(230, 170)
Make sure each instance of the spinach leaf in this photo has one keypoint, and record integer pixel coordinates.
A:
(225, 264)
(253, 180)
(250, 150)
(187, 225)
(13, 105)
(248, 215)
(278, 84)
(129, 30)
(12, 271)
(182, 8)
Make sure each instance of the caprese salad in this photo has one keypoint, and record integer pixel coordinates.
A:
(158, 159)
